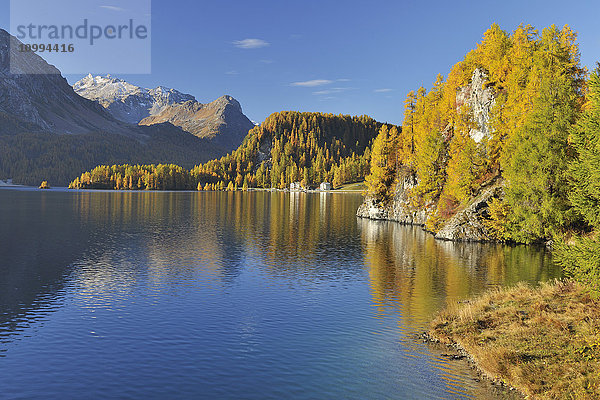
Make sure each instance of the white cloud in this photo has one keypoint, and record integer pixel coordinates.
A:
(231, 73)
(322, 92)
(266, 61)
(113, 8)
(312, 83)
(343, 80)
(384, 90)
(250, 43)
(331, 91)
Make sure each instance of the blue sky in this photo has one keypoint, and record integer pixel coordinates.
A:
(352, 57)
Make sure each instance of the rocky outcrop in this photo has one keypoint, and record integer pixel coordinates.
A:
(480, 99)
(398, 209)
(465, 226)
(468, 224)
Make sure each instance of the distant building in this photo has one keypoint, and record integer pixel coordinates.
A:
(325, 186)
(295, 186)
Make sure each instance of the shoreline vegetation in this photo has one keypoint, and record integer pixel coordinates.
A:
(522, 110)
(543, 341)
(288, 148)
(355, 187)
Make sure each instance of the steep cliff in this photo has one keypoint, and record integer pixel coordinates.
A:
(44, 101)
(467, 223)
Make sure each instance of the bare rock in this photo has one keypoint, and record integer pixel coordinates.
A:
(481, 100)
(468, 224)
(398, 209)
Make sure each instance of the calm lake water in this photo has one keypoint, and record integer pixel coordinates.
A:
(231, 296)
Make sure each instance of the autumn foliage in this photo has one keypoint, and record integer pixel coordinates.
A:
(537, 84)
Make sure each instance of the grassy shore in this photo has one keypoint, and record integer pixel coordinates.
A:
(353, 187)
(544, 341)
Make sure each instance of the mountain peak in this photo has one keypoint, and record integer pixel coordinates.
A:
(125, 101)
(221, 119)
(227, 101)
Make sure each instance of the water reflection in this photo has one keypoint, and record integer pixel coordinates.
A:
(254, 295)
(411, 271)
(37, 245)
(111, 240)
(413, 276)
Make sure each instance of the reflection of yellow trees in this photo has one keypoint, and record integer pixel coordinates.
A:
(186, 236)
(417, 274)
(172, 234)
(288, 230)
(181, 234)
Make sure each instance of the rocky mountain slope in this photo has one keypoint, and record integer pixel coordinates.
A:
(49, 132)
(45, 100)
(222, 121)
(127, 102)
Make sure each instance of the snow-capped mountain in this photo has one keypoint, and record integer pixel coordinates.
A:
(222, 120)
(127, 102)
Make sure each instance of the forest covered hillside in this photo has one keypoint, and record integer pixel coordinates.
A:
(503, 117)
(287, 147)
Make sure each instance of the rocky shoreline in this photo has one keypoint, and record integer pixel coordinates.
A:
(466, 225)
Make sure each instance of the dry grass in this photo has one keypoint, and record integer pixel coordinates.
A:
(542, 341)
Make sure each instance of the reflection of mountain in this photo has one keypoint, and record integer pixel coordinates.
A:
(410, 269)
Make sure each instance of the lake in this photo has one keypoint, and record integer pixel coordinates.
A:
(216, 295)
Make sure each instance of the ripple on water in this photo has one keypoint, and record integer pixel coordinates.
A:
(231, 295)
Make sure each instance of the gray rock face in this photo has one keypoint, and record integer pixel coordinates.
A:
(222, 120)
(45, 101)
(127, 102)
(399, 208)
(468, 224)
(481, 100)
